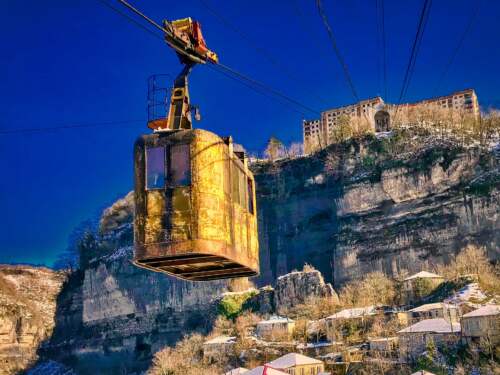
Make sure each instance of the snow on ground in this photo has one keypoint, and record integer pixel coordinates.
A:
(469, 293)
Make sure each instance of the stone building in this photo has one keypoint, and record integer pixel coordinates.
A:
(377, 115)
(433, 310)
(275, 327)
(218, 347)
(414, 340)
(298, 364)
(383, 344)
(421, 284)
(482, 323)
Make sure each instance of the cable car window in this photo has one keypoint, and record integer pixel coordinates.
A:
(180, 165)
(243, 190)
(250, 195)
(155, 168)
(227, 176)
(235, 183)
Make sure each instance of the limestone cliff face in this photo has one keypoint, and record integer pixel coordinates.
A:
(376, 205)
(114, 316)
(27, 307)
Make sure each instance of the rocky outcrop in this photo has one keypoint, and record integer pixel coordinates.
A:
(27, 307)
(113, 316)
(299, 287)
(403, 203)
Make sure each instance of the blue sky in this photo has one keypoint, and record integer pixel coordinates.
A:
(79, 62)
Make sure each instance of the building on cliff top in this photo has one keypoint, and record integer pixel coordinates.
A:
(318, 133)
(298, 364)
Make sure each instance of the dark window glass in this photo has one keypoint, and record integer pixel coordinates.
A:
(180, 165)
(243, 190)
(235, 183)
(155, 168)
(250, 195)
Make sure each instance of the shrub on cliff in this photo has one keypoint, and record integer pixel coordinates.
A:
(186, 358)
(231, 305)
(473, 260)
(375, 288)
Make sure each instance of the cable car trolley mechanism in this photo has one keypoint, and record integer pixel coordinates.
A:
(195, 209)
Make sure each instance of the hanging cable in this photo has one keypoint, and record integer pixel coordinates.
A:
(333, 41)
(260, 50)
(454, 53)
(239, 76)
(69, 126)
(380, 10)
(424, 14)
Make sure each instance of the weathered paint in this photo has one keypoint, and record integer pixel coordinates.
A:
(196, 232)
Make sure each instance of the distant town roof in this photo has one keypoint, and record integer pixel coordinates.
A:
(293, 359)
(384, 339)
(484, 311)
(268, 371)
(221, 340)
(276, 319)
(424, 275)
(356, 312)
(438, 325)
(427, 307)
(237, 371)
(312, 345)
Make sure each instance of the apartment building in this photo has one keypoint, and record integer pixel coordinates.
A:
(377, 114)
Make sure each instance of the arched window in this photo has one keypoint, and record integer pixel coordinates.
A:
(382, 121)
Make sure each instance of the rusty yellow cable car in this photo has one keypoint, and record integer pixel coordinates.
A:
(195, 209)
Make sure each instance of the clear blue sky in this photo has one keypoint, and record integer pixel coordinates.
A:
(77, 62)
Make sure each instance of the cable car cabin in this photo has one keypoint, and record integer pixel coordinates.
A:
(195, 211)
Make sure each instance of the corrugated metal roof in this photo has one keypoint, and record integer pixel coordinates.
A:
(356, 312)
(484, 311)
(438, 325)
(293, 359)
(424, 275)
(268, 371)
(221, 340)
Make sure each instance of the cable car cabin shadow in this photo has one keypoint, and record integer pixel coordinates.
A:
(195, 210)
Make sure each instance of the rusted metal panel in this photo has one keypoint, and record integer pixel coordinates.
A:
(196, 230)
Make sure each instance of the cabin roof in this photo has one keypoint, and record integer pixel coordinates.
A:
(484, 311)
(438, 325)
(293, 359)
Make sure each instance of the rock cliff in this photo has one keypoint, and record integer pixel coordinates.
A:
(27, 307)
(401, 203)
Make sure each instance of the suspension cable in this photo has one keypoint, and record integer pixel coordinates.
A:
(333, 41)
(424, 14)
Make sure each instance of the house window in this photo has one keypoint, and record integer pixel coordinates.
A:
(155, 168)
(180, 165)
